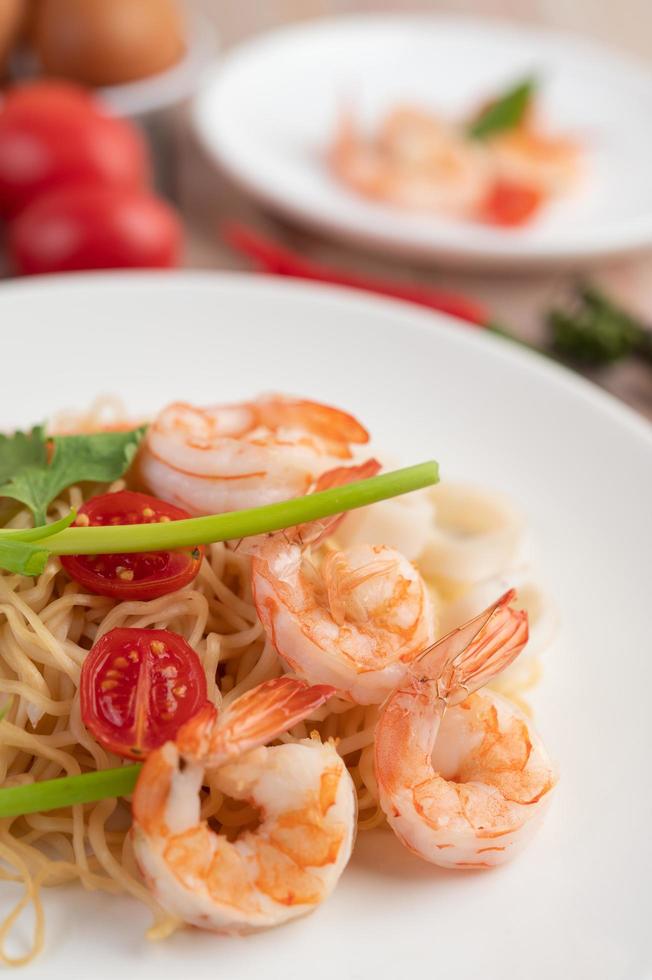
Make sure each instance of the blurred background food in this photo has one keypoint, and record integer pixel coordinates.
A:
(115, 177)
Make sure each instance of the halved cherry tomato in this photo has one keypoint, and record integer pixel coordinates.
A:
(510, 204)
(144, 574)
(138, 687)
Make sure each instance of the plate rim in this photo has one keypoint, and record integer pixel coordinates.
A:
(457, 330)
(631, 238)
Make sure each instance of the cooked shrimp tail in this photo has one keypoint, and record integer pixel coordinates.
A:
(256, 718)
(471, 655)
(462, 777)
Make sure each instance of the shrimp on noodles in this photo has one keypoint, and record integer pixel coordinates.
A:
(462, 777)
(355, 619)
(231, 457)
(302, 790)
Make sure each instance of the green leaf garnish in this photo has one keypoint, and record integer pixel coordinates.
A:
(28, 475)
(505, 112)
(21, 449)
(22, 557)
(593, 330)
(19, 554)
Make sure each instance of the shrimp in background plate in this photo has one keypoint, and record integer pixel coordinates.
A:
(304, 794)
(526, 157)
(422, 162)
(355, 619)
(231, 457)
(462, 778)
(416, 161)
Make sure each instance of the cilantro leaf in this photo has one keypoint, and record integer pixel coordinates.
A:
(22, 449)
(29, 477)
(504, 112)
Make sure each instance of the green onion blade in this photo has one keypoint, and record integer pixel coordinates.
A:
(126, 538)
(52, 794)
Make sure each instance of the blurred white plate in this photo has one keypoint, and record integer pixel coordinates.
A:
(268, 113)
(577, 462)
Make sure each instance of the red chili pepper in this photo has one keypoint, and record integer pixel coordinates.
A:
(281, 261)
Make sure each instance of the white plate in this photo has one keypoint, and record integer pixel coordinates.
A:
(268, 114)
(580, 465)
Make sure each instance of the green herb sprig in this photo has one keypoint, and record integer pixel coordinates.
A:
(35, 467)
(593, 330)
(504, 112)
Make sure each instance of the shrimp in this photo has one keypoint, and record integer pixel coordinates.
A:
(304, 794)
(542, 621)
(549, 163)
(462, 777)
(416, 161)
(354, 620)
(231, 457)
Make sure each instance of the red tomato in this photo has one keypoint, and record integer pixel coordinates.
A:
(51, 137)
(511, 204)
(33, 98)
(144, 574)
(94, 227)
(138, 687)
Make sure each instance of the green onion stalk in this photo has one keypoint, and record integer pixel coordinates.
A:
(88, 787)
